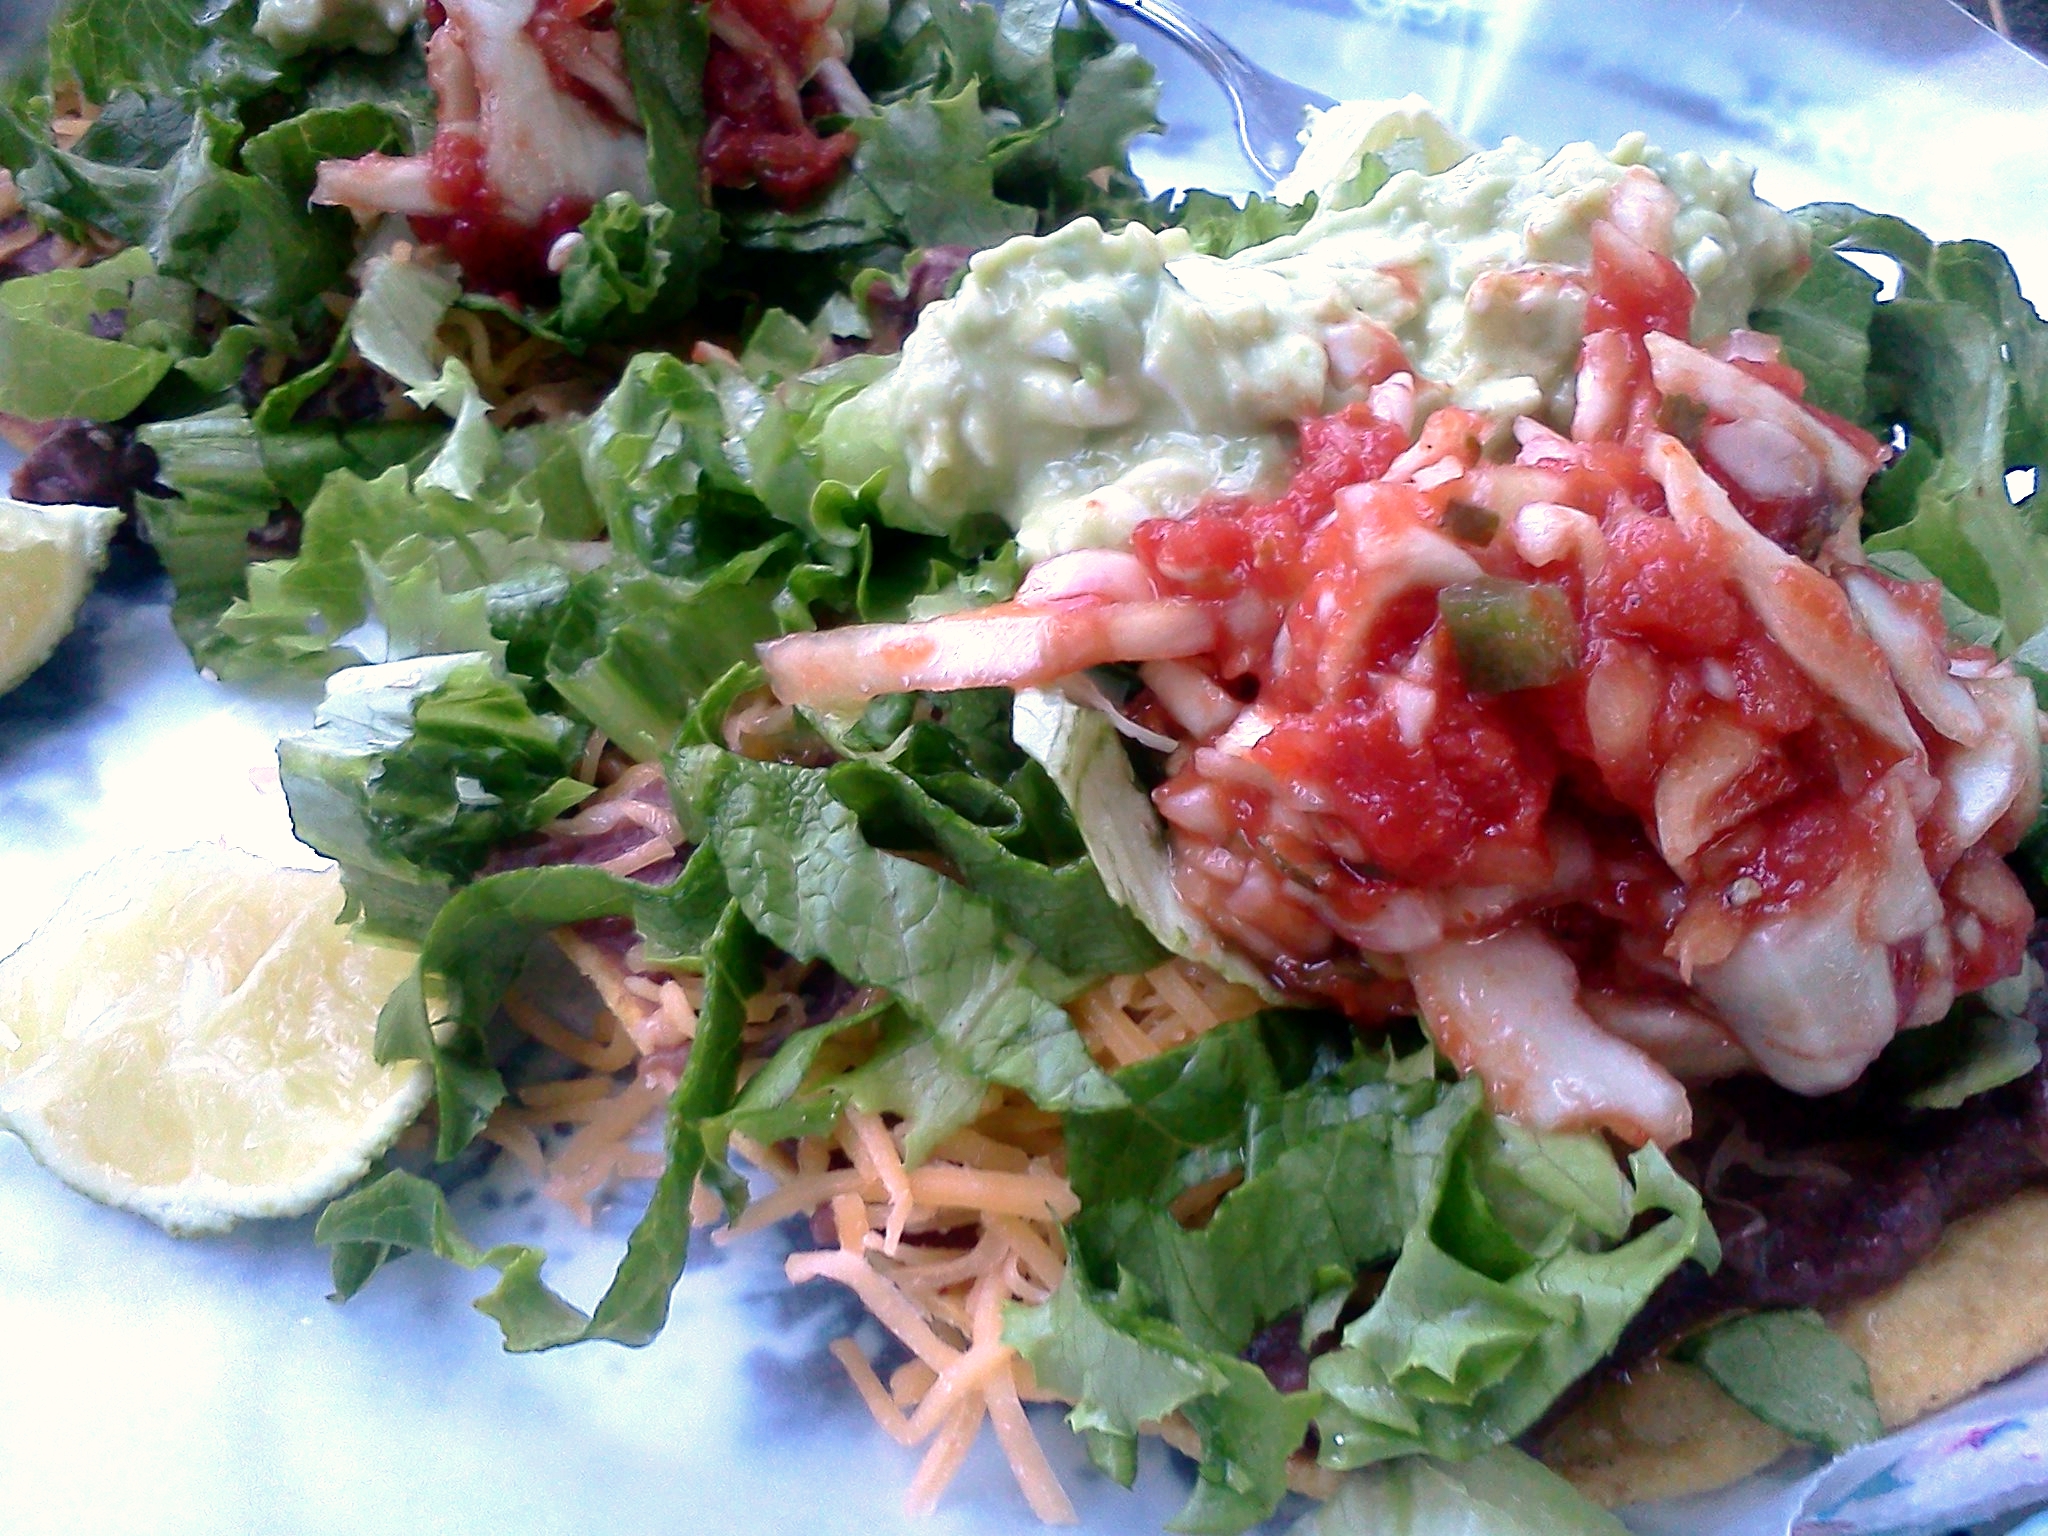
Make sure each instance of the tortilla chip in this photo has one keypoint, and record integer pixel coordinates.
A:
(1975, 1310)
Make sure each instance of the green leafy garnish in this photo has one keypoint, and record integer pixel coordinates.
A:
(415, 771)
(1502, 1493)
(1501, 1262)
(1789, 1370)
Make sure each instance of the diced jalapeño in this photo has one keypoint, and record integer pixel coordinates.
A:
(1470, 523)
(1510, 634)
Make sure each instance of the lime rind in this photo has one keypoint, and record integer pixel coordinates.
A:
(48, 558)
(189, 1037)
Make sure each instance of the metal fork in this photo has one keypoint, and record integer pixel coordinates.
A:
(1270, 112)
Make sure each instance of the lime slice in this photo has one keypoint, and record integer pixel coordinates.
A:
(189, 1038)
(47, 559)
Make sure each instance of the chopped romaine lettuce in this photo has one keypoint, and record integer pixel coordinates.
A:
(415, 771)
(1502, 1493)
(400, 1212)
(1499, 1261)
(1789, 1370)
(1085, 756)
(815, 887)
(1959, 360)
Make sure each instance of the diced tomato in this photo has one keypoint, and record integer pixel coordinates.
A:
(790, 169)
(1658, 585)
(1470, 791)
(456, 166)
(1801, 845)
(1351, 447)
(1228, 546)
(498, 255)
(1771, 694)
(1636, 289)
(760, 134)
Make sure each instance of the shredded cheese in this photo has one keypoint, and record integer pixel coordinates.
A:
(935, 1252)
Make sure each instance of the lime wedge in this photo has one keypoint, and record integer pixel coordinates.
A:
(189, 1038)
(47, 559)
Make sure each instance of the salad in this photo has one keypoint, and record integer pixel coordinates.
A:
(1373, 830)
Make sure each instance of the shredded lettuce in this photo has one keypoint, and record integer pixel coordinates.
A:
(620, 270)
(52, 362)
(1502, 1493)
(956, 785)
(221, 209)
(401, 1212)
(636, 649)
(877, 1060)
(1792, 1372)
(477, 947)
(162, 46)
(1086, 758)
(1958, 360)
(1222, 226)
(1505, 1262)
(815, 887)
(987, 123)
(414, 771)
(1122, 1369)
(1985, 1042)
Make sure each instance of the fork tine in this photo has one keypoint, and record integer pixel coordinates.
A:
(1269, 112)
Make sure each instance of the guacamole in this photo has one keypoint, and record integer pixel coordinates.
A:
(1082, 381)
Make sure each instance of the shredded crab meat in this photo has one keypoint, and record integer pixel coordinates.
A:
(504, 105)
(1745, 810)
(1019, 644)
(1507, 1008)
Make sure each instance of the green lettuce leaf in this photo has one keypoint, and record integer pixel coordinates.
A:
(1501, 1493)
(401, 1212)
(655, 455)
(1824, 324)
(814, 886)
(1086, 758)
(395, 316)
(1318, 1162)
(921, 177)
(636, 649)
(1979, 1046)
(1004, 831)
(1502, 1263)
(477, 948)
(1123, 1369)
(1474, 1334)
(1789, 1370)
(1220, 226)
(414, 771)
(877, 1060)
(621, 269)
(225, 210)
(229, 477)
(437, 569)
(52, 365)
(666, 46)
(1959, 360)
(168, 47)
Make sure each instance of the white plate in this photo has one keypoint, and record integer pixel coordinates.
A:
(203, 1388)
